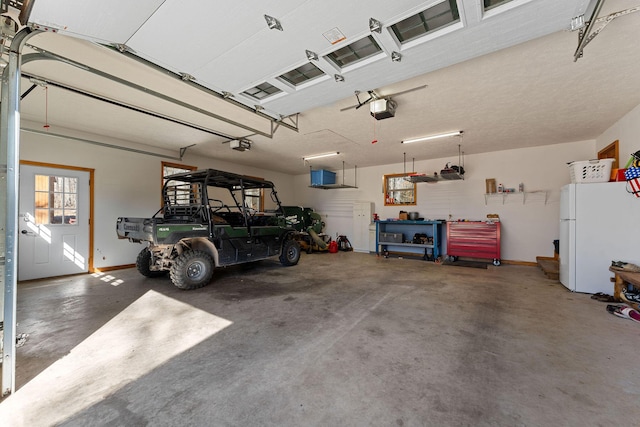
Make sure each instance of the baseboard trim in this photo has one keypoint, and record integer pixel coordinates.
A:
(112, 268)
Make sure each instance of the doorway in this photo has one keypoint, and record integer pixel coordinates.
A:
(54, 221)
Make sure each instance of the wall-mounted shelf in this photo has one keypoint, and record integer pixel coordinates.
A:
(523, 194)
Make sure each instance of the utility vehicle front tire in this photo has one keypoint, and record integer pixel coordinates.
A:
(192, 270)
(143, 264)
(290, 253)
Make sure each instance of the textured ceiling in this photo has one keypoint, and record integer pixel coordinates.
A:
(507, 78)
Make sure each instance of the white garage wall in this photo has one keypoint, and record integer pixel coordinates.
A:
(528, 229)
(126, 183)
(627, 132)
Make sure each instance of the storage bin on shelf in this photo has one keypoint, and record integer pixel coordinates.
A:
(590, 171)
(323, 177)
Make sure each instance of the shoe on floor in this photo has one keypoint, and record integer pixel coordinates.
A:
(631, 295)
(615, 309)
(624, 312)
(606, 298)
(630, 313)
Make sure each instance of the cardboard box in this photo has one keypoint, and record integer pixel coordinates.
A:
(403, 216)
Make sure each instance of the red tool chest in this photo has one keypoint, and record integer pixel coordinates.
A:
(474, 239)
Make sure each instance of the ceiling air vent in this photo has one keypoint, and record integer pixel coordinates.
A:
(383, 108)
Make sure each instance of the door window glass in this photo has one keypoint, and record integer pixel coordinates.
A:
(56, 200)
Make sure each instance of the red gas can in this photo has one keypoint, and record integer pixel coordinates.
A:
(333, 247)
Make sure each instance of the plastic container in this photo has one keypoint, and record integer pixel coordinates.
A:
(590, 171)
(323, 177)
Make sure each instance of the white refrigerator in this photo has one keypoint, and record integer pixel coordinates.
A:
(599, 223)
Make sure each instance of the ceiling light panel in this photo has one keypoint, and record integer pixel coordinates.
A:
(427, 21)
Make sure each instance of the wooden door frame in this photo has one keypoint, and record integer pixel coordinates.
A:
(611, 149)
(91, 211)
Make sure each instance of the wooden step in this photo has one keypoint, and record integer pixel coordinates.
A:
(550, 267)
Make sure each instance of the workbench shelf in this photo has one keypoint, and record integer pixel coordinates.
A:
(405, 231)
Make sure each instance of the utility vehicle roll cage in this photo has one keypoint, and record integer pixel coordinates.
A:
(182, 200)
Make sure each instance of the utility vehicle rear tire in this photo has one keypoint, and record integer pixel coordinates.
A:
(290, 253)
(192, 270)
(143, 264)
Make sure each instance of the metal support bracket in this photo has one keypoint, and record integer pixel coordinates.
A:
(587, 34)
(183, 150)
(293, 125)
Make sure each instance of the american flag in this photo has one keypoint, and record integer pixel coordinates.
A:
(632, 173)
(633, 179)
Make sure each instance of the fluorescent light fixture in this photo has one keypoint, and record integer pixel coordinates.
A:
(273, 23)
(426, 138)
(319, 156)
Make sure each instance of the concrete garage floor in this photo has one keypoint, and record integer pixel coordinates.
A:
(342, 339)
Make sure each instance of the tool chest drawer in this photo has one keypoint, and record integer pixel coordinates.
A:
(474, 239)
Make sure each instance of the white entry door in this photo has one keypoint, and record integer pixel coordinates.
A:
(53, 223)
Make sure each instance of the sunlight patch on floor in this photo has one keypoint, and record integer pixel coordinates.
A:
(107, 278)
(142, 337)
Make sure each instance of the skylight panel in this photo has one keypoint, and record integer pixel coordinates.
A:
(356, 51)
(490, 4)
(302, 74)
(262, 91)
(428, 20)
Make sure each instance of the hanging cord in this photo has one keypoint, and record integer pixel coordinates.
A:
(375, 139)
(46, 108)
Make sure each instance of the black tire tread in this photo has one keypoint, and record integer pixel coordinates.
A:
(178, 276)
(143, 262)
(286, 246)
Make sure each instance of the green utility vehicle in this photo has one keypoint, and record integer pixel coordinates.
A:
(206, 222)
